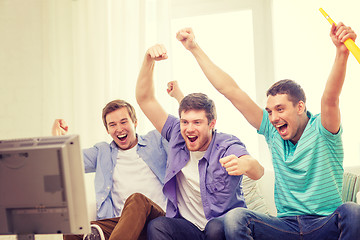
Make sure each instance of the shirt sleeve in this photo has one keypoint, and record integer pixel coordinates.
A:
(90, 158)
(228, 145)
(171, 125)
(266, 128)
(328, 135)
(238, 149)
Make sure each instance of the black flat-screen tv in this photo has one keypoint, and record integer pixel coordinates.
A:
(42, 187)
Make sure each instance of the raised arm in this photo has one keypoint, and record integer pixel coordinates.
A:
(330, 110)
(221, 80)
(59, 127)
(174, 91)
(145, 92)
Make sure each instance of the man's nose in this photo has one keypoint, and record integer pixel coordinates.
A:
(190, 127)
(274, 117)
(119, 128)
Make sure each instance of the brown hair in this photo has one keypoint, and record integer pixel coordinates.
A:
(115, 105)
(198, 101)
(291, 88)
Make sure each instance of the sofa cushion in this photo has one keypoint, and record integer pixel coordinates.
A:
(253, 197)
(351, 185)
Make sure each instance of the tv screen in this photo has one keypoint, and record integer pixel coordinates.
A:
(42, 189)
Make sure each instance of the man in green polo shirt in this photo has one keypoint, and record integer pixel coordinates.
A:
(306, 149)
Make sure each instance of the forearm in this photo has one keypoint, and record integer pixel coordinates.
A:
(336, 79)
(145, 85)
(330, 109)
(145, 90)
(254, 170)
(227, 86)
(217, 77)
(179, 97)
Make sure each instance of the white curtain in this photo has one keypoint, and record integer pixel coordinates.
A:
(94, 53)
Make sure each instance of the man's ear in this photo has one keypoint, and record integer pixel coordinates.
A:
(135, 124)
(301, 107)
(212, 124)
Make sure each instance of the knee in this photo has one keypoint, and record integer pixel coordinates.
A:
(155, 227)
(136, 200)
(237, 215)
(215, 229)
(349, 210)
(136, 197)
(235, 219)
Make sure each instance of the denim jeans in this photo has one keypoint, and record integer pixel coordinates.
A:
(343, 224)
(163, 228)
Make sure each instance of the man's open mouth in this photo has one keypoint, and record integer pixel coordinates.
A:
(282, 128)
(192, 138)
(122, 137)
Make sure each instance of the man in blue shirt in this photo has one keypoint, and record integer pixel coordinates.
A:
(129, 164)
(204, 168)
(306, 149)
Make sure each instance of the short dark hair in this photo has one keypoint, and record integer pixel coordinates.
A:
(115, 105)
(291, 88)
(198, 101)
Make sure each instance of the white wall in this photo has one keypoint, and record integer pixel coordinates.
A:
(21, 47)
(36, 66)
(305, 53)
(39, 57)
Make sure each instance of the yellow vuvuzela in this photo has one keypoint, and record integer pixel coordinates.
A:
(349, 43)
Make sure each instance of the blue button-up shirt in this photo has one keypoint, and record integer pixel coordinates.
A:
(101, 159)
(220, 192)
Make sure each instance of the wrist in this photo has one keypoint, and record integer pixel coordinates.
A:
(194, 48)
(342, 54)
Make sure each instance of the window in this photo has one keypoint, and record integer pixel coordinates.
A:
(226, 33)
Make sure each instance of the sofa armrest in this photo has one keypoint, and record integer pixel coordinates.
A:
(351, 184)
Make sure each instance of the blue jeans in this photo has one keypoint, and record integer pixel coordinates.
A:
(162, 228)
(344, 224)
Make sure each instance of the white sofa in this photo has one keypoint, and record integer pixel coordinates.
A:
(264, 186)
(263, 189)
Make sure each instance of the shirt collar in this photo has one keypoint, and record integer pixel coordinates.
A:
(210, 147)
(309, 115)
(141, 140)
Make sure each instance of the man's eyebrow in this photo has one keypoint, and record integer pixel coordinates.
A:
(119, 120)
(276, 106)
(279, 105)
(198, 119)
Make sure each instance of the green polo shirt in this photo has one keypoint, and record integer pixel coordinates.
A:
(309, 174)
